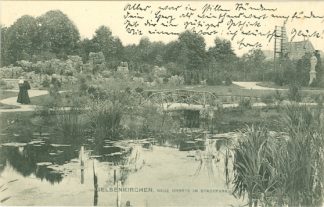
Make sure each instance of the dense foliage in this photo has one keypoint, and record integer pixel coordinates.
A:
(53, 37)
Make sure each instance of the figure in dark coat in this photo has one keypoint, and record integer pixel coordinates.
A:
(23, 96)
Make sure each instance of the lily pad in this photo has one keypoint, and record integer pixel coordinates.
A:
(44, 163)
(60, 145)
(14, 144)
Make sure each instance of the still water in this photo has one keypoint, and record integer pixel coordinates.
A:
(43, 170)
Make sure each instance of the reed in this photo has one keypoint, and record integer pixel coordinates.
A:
(105, 118)
(284, 168)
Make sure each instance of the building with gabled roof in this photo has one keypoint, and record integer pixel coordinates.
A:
(296, 50)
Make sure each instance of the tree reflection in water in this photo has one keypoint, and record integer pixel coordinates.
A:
(24, 160)
(45, 160)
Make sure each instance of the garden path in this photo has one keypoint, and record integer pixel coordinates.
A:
(168, 106)
(22, 107)
(254, 86)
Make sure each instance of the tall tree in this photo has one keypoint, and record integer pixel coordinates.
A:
(253, 64)
(19, 39)
(222, 51)
(110, 46)
(192, 55)
(3, 45)
(85, 47)
(224, 56)
(57, 34)
(171, 51)
(150, 52)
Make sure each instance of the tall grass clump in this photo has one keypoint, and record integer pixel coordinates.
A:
(302, 166)
(105, 119)
(245, 104)
(294, 93)
(254, 174)
(282, 168)
(70, 120)
(65, 112)
(105, 115)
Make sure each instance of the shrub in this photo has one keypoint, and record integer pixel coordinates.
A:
(268, 99)
(176, 80)
(106, 73)
(96, 92)
(228, 81)
(46, 82)
(294, 93)
(212, 81)
(279, 96)
(25, 65)
(245, 103)
(139, 90)
(11, 72)
(278, 78)
(5, 85)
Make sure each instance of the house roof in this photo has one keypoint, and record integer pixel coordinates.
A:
(297, 50)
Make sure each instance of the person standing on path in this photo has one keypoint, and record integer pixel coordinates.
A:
(23, 96)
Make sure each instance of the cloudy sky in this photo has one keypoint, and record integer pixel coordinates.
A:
(88, 16)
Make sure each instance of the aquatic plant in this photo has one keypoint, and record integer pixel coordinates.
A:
(286, 168)
(105, 119)
(70, 121)
(302, 162)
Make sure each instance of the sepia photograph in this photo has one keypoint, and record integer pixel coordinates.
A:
(162, 103)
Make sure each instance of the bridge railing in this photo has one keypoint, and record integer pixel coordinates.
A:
(196, 97)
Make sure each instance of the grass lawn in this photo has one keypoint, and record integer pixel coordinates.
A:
(39, 100)
(7, 94)
(45, 99)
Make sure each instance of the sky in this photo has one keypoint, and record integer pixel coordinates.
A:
(88, 16)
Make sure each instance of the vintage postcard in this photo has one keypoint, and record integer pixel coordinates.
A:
(162, 103)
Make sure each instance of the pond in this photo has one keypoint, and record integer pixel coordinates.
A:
(44, 170)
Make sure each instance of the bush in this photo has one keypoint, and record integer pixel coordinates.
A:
(11, 72)
(106, 73)
(46, 82)
(5, 85)
(176, 80)
(25, 65)
(278, 78)
(294, 93)
(228, 81)
(96, 92)
(212, 81)
(268, 99)
(278, 96)
(219, 79)
(139, 90)
(245, 103)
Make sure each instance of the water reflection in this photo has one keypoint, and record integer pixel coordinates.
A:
(38, 158)
(44, 159)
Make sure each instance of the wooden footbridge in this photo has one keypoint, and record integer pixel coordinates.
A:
(192, 100)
